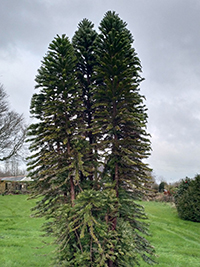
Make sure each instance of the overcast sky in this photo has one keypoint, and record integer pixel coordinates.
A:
(167, 41)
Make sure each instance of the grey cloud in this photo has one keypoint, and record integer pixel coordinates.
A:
(21, 21)
(167, 41)
(178, 121)
(170, 38)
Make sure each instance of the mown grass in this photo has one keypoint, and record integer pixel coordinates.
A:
(177, 242)
(21, 243)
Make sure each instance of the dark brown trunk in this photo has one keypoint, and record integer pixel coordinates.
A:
(113, 220)
(90, 135)
(72, 191)
(110, 263)
(117, 179)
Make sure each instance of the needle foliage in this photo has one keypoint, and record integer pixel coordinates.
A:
(88, 147)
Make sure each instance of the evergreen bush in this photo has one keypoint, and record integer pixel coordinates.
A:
(187, 199)
(161, 187)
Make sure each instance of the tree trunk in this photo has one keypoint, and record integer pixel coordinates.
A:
(72, 191)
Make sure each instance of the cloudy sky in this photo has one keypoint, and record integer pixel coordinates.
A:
(167, 41)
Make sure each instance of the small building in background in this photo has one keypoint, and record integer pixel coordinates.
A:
(14, 184)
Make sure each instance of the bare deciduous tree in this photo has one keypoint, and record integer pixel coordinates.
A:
(12, 129)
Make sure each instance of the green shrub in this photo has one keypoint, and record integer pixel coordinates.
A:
(161, 187)
(187, 199)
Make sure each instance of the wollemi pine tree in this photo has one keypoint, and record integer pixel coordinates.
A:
(88, 146)
(121, 119)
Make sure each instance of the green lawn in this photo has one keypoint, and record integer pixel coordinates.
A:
(21, 244)
(177, 242)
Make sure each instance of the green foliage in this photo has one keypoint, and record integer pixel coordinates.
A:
(83, 42)
(161, 187)
(187, 199)
(88, 147)
(84, 224)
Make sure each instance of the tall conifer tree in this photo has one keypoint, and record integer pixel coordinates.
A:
(83, 42)
(91, 119)
(56, 163)
(121, 119)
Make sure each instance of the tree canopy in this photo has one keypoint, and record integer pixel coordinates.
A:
(187, 199)
(88, 147)
(12, 129)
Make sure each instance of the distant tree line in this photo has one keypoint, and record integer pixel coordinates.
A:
(12, 167)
